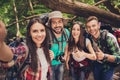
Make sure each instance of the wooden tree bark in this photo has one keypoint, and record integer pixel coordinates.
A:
(30, 5)
(111, 7)
(83, 10)
(16, 17)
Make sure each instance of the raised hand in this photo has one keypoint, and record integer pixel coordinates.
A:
(79, 55)
(99, 54)
(51, 54)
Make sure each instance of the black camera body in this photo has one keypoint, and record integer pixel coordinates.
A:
(60, 58)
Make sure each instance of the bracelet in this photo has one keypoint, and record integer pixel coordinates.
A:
(105, 57)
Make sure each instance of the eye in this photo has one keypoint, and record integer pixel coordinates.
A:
(53, 22)
(93, 25)
(42, 30)
(73, 28)
(34, 31)
(60, 21)
(88, 27)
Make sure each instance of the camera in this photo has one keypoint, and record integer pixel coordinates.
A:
(60, 58)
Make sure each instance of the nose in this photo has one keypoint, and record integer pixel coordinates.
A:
(39, 33)
(57, 23)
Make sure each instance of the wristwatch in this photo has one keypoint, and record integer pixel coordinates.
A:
(105, 57)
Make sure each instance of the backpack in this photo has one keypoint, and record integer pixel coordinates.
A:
(116, 33)
(13, 73)
(44, 17)
(108, 27)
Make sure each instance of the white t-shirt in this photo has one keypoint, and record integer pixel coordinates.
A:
(43, 62)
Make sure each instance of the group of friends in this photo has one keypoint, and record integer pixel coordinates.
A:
(49, 47)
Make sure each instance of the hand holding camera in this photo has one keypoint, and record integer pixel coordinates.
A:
(60, 58)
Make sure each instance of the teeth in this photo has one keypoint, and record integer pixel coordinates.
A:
(38, 39)
(57, 28)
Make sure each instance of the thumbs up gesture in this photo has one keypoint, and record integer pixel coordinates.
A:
(99, 54)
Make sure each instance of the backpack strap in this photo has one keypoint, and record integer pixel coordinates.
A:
(103, 41)
(94, 44)
(50, 37)
(65, 35)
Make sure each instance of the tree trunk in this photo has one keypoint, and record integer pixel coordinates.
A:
(31, 7)
(83, 10)
(16, 17)
(111, 7)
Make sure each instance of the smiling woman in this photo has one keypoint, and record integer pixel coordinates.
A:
(79, 52)
(38, 33)
(36, 39)
(35, 53)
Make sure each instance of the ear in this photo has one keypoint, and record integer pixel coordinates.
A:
(99, 24)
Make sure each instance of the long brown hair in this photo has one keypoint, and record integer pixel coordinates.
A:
(81, 42)
(32, 46)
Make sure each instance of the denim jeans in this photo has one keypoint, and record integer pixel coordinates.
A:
(57, 72)
(76, 75)
(100, 74)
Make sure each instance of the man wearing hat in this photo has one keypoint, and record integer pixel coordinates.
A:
(58, 40)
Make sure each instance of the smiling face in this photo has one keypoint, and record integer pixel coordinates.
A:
(38, 33)
(93, 27)
(57, 25)
(76, 31)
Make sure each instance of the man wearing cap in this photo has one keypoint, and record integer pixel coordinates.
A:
(58, 40)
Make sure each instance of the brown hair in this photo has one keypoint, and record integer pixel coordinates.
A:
(90, 18)
(81, 42)
(32, 47)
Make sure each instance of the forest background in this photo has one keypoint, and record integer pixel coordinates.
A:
(16, 13)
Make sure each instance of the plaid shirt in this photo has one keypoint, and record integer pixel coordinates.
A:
(30, 75)
(113, 47)
(18, 59)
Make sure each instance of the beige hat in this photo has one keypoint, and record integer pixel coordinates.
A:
(55, 14)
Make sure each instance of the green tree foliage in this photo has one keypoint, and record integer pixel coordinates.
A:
(24, 12)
